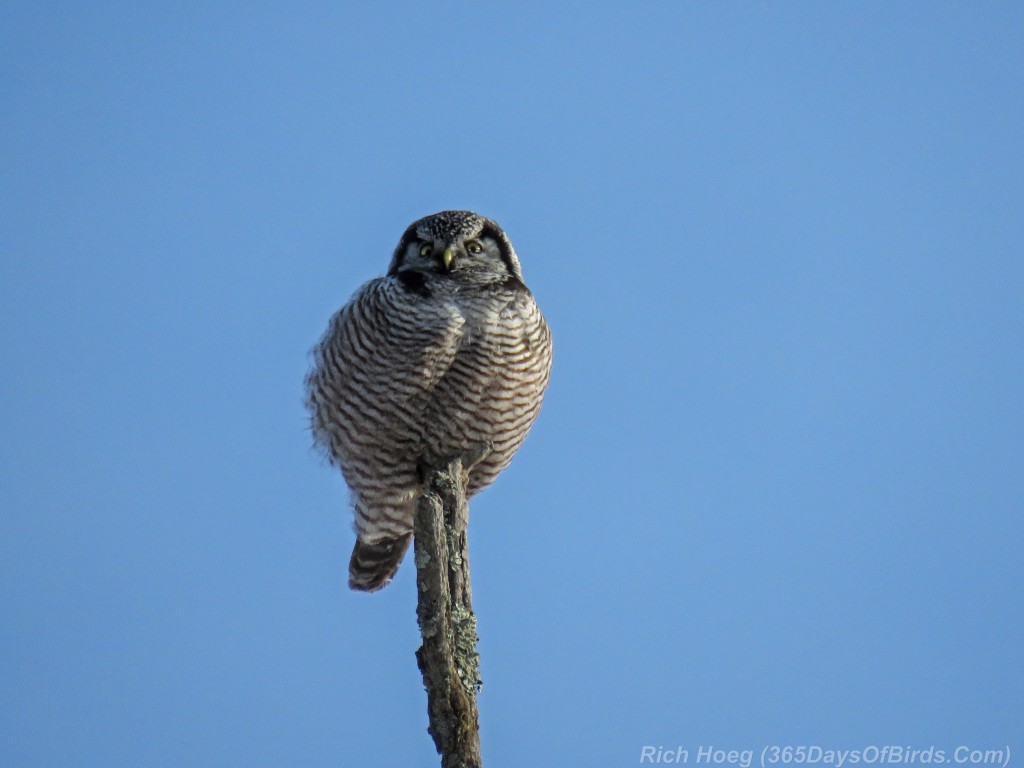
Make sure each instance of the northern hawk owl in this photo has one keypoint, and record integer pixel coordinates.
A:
(446, 352)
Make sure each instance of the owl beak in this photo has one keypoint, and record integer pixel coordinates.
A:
(448, 257)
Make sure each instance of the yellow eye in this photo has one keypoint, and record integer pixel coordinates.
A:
(474, 246)
(426, 249)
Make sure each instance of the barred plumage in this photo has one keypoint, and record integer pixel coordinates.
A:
(447, 351)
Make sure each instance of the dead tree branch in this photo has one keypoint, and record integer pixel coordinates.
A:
(448, 658)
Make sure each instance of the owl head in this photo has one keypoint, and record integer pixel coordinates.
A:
(460, 245)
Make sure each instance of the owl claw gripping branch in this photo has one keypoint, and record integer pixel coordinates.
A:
(446, 352)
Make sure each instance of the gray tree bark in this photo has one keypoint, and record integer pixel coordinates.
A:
(448, 658)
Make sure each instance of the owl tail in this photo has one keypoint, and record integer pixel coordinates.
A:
(373, 565)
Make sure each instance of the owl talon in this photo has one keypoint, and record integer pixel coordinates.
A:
(475, 454)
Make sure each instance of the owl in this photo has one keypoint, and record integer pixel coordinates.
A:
(448, 351)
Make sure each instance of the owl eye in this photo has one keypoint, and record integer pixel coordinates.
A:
(474, 246)
(426, 249)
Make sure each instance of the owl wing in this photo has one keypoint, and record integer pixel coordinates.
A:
(382, 355)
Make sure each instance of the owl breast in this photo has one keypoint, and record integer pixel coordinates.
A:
(492, 390)
(401, 378)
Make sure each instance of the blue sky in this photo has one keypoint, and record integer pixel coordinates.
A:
(775, 494)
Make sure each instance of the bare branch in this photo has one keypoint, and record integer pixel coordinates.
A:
(448, 658)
